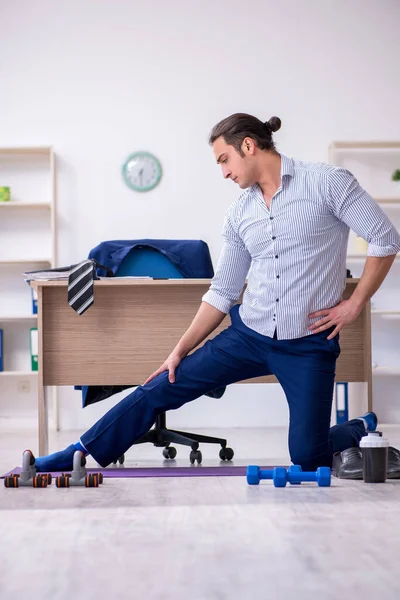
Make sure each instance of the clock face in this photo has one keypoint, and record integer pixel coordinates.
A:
(142, 171)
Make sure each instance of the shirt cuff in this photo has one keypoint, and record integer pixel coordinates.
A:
(381, 251)
(217, 301)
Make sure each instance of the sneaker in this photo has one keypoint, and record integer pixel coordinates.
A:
(371, 420)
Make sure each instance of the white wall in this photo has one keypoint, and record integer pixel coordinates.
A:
(101, 78)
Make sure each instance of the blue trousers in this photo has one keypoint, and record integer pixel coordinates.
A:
(305, 367)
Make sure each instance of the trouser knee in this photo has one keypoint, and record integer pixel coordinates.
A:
(309, 458)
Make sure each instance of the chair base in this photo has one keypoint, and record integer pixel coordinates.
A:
(161, 437)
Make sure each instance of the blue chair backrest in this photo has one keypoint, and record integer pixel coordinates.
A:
(147, 262)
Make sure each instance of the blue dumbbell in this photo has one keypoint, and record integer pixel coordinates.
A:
(322, 476)
(278, 475)
(293, 475)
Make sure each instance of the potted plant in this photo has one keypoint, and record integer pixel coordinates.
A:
(396, 175)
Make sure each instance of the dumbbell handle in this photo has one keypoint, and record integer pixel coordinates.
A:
(265, 474)
(296, 477)
(301, 476)
(291, 477)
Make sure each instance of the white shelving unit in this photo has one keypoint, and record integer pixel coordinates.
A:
(362, 257)
(388, 371)
(373, 163)
(28, 241)
(21, 374)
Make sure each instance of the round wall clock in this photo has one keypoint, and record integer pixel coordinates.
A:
(142, 171)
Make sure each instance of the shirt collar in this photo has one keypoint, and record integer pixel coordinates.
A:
(287, 168)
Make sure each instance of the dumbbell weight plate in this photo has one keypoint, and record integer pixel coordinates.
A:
(253, 475)
(40, 481)
(62, 481)
(324, 476)
(294, 469)
(279, 477)
(92, 480)
(11, 481)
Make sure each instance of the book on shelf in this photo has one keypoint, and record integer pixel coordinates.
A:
(34, 348)
(34, 301)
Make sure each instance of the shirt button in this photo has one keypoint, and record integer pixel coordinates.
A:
(271, 218)
(274, 237)
(276, 256)
(277, 276)
(274, 319)
(277, 299)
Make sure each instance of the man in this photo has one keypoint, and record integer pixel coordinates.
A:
(290, 228)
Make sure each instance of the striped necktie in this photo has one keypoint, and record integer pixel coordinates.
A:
(80, 286)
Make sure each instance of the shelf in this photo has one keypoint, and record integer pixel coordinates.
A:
(362, 257)
(12, 204)
(17, 318)
(17, 373)
(26, 150)
(25, 261)
(385, 370)
(365, 145)
(383, 311)
(392, 202)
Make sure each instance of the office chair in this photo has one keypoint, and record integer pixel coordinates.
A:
(146, 261)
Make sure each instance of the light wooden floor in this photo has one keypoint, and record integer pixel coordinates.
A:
(199, 538)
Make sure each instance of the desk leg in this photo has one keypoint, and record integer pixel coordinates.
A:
(43, 417)
(43, 423)
(368, 352)
(369, 391)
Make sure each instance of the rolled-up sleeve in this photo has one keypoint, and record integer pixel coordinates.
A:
(354, 206)
(230, 276)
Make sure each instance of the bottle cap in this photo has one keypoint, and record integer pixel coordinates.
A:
(374, 439)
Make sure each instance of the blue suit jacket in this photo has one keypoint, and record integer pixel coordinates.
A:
(191, 258)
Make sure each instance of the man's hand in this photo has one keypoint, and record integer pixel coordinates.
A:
(169, 365)
(340, 315)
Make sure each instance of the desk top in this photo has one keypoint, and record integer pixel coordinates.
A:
(135, 323)
(107, 281)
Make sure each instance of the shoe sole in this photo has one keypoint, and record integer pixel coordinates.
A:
(349, 476)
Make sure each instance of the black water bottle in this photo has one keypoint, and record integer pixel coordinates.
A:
(374, 450)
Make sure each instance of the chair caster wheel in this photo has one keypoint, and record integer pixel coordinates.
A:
(169, 452)
(119, 460)
(226, 454)
(195, 455)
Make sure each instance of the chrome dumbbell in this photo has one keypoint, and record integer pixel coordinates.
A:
(79, 475)
(28, 475)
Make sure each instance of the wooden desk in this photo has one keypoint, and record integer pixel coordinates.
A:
(133, 326)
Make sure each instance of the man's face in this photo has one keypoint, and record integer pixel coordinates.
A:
(234, 166)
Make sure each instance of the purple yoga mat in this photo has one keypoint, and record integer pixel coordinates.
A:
(195, 471)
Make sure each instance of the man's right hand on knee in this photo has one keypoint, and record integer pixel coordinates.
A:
(169, 365)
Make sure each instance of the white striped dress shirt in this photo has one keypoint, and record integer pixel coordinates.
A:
(296, 250)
